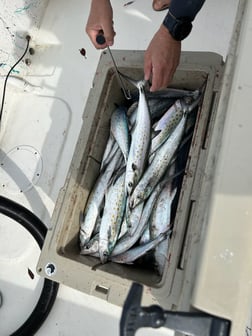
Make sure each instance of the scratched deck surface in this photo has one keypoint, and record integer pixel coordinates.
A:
(40, 127)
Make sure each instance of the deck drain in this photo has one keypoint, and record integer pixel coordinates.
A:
(20, 169)
(50, 269)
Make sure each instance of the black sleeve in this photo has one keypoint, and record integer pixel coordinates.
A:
(186, 8)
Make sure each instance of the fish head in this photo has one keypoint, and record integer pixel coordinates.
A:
(103, 251)
(84, 238)
(189, 103)
(141, 84)
(129, 187)
(135, 199)
(91, 247)
(132, 215)
(130, 180)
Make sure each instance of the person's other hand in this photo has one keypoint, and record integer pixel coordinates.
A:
(100, 19)
(161, 59)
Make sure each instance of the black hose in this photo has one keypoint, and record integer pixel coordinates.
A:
(28, 38)
(50, 288)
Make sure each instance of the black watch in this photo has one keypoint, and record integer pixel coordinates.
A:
(179, 28)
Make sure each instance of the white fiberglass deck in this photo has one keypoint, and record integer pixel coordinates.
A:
(40, 127)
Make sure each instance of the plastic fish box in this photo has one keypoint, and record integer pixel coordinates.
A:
(60, 259)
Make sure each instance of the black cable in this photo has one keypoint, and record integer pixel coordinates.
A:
(28, 38)
(50, 288)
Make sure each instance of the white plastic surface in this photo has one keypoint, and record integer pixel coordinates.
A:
(46, 114)
(224, 285)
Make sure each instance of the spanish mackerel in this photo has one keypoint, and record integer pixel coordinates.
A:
(131, 255)
(140, 143)
(112, 217)
(95, 200)
(110, 149)
(120, 130)
(166, 125)
(130, 239)
(158, 166)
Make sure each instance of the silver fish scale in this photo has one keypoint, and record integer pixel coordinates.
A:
(171, 113)
(134, 253)
(112, 217)
(166, 125)
(133, 217)
(158, 166)
(125, 221)
(95, 200)
(140, 143)
(110, 144)
(119, 129)
(130, 239)
(141, 147)
(160, 220)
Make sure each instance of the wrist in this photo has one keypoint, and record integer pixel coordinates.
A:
(166, 35)
(178, 28)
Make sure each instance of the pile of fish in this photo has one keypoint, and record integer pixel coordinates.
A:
(128, 212)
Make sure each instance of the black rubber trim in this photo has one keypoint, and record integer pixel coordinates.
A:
(50, 288)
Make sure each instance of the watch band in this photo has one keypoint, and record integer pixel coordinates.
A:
(179, 28)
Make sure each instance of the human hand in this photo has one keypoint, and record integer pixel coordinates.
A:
(161, 59)
(100, 19)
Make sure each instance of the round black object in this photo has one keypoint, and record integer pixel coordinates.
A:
(50, 288)
(100, 39)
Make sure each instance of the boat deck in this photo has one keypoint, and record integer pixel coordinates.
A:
(41, 124)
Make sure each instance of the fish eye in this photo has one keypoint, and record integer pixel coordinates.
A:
(134, 167)
(130, 184)
(105, 253)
